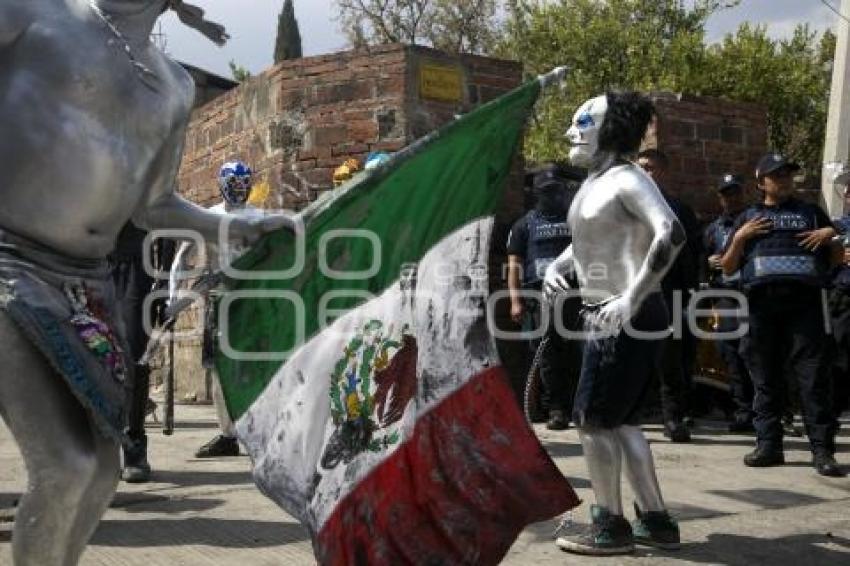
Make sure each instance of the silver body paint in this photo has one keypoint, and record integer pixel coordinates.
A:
(625, 238)
(214, 261)
(87, 144)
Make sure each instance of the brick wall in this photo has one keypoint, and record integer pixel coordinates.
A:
(298, 121)
(705, 138)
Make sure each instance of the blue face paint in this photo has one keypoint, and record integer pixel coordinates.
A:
(585, 121)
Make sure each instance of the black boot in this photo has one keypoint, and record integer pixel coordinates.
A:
(136, 467)
(764, 456)
(826, 465)
(557, 420)
(677, 431)
(219, 446)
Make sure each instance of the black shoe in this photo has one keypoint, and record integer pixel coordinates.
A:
(741, 426)
(607, 535)
(557, 420)
(677, 431)
(826, 465)
(763, 457)
(136, 468)
(656, 528)
(218, 447)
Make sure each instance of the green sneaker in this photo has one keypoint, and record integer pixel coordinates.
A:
(607, 535)
(656, 528)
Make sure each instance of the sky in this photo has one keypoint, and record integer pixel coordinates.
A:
(252, 25)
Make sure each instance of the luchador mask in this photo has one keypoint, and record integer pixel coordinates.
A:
(583, 134)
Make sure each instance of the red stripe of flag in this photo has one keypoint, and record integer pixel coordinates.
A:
(458, 492)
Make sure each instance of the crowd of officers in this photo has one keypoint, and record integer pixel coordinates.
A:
(781, 271)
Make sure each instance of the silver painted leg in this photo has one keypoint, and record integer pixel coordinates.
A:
(603, 456)
(72, 470)
(640, 468)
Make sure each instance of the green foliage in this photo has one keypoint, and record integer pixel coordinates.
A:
(288, 42)
(653, 45)
(456, 26)
(790, 77)
(240, 73)
(639, 44)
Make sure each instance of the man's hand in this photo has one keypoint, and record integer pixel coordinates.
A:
(517, 310)
(847, 257)
(614, 315)
(758, 226)
(714, 261)
(554, 283)
(814, 239)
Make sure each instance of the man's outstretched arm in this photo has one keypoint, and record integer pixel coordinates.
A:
(163, 208)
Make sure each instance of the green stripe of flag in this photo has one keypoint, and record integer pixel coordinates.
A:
(456, 175)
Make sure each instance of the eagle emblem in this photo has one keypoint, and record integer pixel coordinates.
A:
(372, 383)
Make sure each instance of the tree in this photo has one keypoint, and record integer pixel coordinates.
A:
(240, 73)
(458, 26)
(790, 77)
(638, 44)
(288, 43)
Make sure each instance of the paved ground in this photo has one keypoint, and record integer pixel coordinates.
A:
(201, 512)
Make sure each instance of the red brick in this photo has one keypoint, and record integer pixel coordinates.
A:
(329, 135)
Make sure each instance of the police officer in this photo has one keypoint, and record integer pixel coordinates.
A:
(839, 306)
(534, 241)
(730, 193)
(682, 279)
(783, 248)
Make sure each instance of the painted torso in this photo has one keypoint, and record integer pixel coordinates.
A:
(78, 159)
(609, 242)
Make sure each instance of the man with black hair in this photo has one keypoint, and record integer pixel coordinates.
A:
(535, 240)
(783, 249)
(625, 238)
(678, 284)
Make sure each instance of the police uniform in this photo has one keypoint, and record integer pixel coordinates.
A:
(839, 309)
(783, 282)
(539, 237)
(716, 237)
(679, 353)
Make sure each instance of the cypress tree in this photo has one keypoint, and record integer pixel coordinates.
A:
(288, 44)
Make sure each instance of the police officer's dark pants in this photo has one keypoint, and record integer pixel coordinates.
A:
(677, 361)
(560, 363)
(730, 352)
(839, 309)
(787, 330)
(132, 286)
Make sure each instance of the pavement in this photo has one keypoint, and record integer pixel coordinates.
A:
(208, 512)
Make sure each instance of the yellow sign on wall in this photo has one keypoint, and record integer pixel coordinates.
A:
(441, 82)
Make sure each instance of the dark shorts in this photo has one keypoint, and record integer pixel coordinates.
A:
(67, 309)
(616, 372)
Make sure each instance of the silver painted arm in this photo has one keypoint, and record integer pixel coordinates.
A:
(642, 198)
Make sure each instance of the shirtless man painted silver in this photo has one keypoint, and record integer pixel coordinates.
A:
(625, 237)
(93, 119)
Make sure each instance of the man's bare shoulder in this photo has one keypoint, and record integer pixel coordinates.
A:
(179, 78)
(630, 175)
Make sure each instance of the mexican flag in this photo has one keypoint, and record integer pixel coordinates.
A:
(362, 376)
